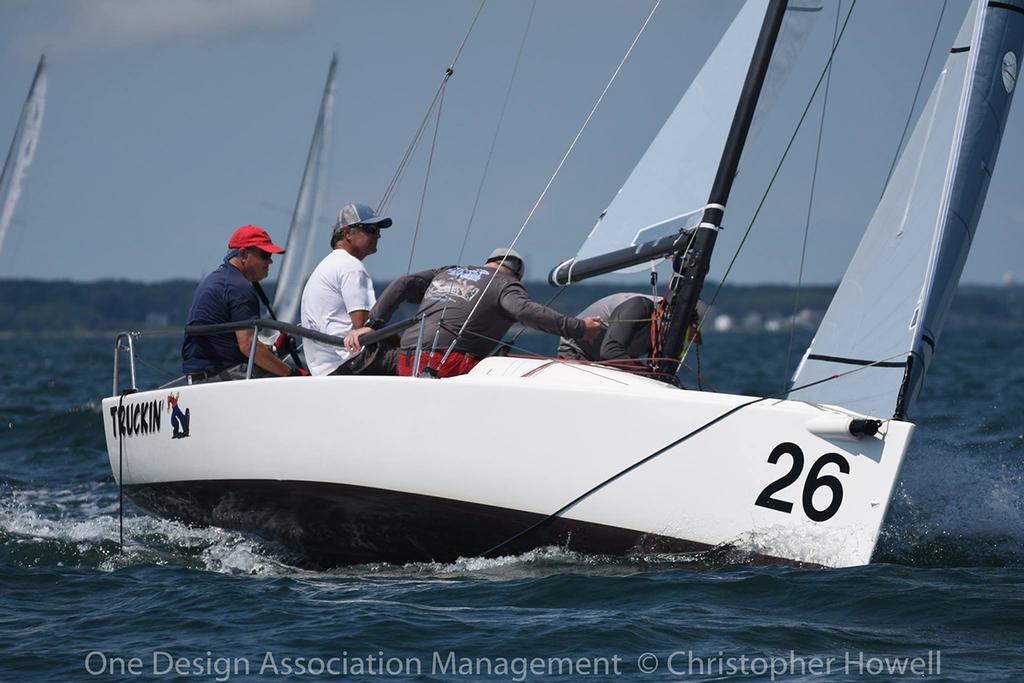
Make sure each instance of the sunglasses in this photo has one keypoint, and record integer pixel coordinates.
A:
(369, 229)
(260, 253)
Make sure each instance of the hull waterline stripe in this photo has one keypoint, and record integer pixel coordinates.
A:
(857, 361)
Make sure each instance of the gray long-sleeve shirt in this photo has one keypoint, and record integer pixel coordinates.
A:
(626, 332)
(447, 296)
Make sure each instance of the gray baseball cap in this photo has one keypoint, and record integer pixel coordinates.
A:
(513, 261)
(359, 214)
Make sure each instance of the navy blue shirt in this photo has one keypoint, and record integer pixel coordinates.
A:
(224, 296)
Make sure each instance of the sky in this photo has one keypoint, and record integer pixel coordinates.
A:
(170, 124)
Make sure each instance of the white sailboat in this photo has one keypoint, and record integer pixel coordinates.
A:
(541, 452)
(23, 148)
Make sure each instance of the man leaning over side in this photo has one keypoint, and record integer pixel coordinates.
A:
(227, 295)
(339, 294)
(490, 297)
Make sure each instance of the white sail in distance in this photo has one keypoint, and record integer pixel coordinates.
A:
(669, 186)
(305, 232)
(886, 317)
(23, 148)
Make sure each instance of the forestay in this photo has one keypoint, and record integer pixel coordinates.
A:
(23, 148)
(302, 235)
(889, 310)
(669, 186)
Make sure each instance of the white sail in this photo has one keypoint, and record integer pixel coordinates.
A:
(23, 148)
(669, 186)
(306, 230)
(888, 312)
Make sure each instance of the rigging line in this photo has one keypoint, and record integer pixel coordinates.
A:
(497, 131)
(561, 163)
(120, 470)
(162, 371)
(778, 168)
(621, 473)
(396, 179)
(490, 155)
(426, 180)
(917, 92)
(465, 38)
(810, 207)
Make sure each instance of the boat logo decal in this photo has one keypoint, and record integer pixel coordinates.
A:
(179, 419)
(136, 418)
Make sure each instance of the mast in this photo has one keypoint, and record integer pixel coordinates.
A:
(690, 266)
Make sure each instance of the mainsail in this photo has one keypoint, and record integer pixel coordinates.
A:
(303, 233)
(667, 190)
(23, 148)
(888, 312)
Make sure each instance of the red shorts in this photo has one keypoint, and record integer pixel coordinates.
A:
(457, 364)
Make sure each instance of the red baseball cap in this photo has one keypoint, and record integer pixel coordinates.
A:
(253, 236)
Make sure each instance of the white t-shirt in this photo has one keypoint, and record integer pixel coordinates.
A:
(338, 285)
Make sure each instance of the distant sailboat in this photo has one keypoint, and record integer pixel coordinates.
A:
(23, 148)
(302, 235)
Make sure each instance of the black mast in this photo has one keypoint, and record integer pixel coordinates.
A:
(690, 266)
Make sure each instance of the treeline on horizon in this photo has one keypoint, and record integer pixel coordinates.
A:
(62, 307)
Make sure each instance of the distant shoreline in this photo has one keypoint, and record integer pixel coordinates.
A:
(83, 310)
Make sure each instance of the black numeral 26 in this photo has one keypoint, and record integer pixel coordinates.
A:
(815, 480)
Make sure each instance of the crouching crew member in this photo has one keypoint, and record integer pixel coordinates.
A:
(448, 295)
(627, 334)
(227, 295)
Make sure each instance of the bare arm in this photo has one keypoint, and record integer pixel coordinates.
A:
(265, 358)
(359, 328)
(359, 318)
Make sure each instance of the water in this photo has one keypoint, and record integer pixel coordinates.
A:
(205, 604)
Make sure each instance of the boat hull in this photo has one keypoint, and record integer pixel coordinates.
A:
(346, 470)
(326, 524)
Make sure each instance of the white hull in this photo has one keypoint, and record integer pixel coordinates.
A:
(462, 464)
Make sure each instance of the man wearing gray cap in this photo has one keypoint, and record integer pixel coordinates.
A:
(339, 293)
(471, 305)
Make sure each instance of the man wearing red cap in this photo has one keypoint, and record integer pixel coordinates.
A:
(227, 295)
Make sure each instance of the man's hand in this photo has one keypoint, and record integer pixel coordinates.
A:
(592, 327)
(352, 339)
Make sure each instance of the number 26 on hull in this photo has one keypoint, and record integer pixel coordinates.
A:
(814, 481)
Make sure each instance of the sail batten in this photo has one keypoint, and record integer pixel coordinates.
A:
(893, 300)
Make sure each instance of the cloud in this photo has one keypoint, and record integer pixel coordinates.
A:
(120, 23)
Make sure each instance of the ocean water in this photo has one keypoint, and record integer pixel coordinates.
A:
(942, 601)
